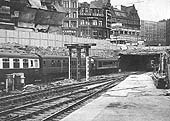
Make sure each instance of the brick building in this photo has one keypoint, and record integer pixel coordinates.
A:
(95, 19)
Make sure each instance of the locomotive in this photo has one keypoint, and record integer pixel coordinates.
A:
(20, 69)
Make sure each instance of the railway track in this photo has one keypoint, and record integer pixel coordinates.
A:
(37, 95)
(25, 98)
(52, 108)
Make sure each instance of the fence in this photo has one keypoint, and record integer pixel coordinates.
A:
(48, 39)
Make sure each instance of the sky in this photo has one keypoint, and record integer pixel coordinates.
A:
(152, 10)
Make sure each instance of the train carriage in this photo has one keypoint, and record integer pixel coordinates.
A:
(33, 67)
(53, 66)
(18, 66)
(104, 65)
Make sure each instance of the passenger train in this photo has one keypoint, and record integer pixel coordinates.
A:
(30, 68)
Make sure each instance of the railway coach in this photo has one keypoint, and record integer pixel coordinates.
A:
(17, 69)
(102, 65)
(53, 67)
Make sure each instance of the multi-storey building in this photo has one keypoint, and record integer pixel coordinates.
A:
(153, 33)
(70, 22)
(125, 26)
(95, 19)
(168, 32)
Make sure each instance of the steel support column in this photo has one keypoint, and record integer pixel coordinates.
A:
(87, 63)
(78, 63)
(70, 67)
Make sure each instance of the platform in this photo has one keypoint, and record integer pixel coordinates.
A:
(134, 99)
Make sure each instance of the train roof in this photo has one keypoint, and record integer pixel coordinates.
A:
(53, 56)
(17, 55)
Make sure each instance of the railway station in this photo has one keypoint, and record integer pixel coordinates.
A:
(80, 60)
(139, 89)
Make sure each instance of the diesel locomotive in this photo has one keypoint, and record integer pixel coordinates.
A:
(31, 68)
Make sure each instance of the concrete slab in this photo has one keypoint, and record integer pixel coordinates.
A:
(134, 99)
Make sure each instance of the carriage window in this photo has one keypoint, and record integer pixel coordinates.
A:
(52, 63)
(36, 63)
(25, 63)
(107, 63)
(31, 63)
(65, 63)
(58, 63)
(16, 63)
(5, 62)
(100, 64)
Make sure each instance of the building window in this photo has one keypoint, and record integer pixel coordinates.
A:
(95, 33)
(5, 62)
(66, 4)
(82, 10)
(82, 22)
(74, 15)
(16, 63)
(95, 22)
(87, 22)
(86, 10)
(74, 4)
(100, 23)
(94, 12)
(66, 24)
(73, 24)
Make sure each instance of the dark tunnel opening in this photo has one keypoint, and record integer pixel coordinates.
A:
(138, 62)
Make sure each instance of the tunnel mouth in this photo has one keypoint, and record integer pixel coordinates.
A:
(139, 62)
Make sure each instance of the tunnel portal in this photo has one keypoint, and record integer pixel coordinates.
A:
(138, 62)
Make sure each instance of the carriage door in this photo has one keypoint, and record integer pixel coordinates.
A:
(18, 80)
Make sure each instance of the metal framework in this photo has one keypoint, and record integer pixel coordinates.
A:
(78, 47)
